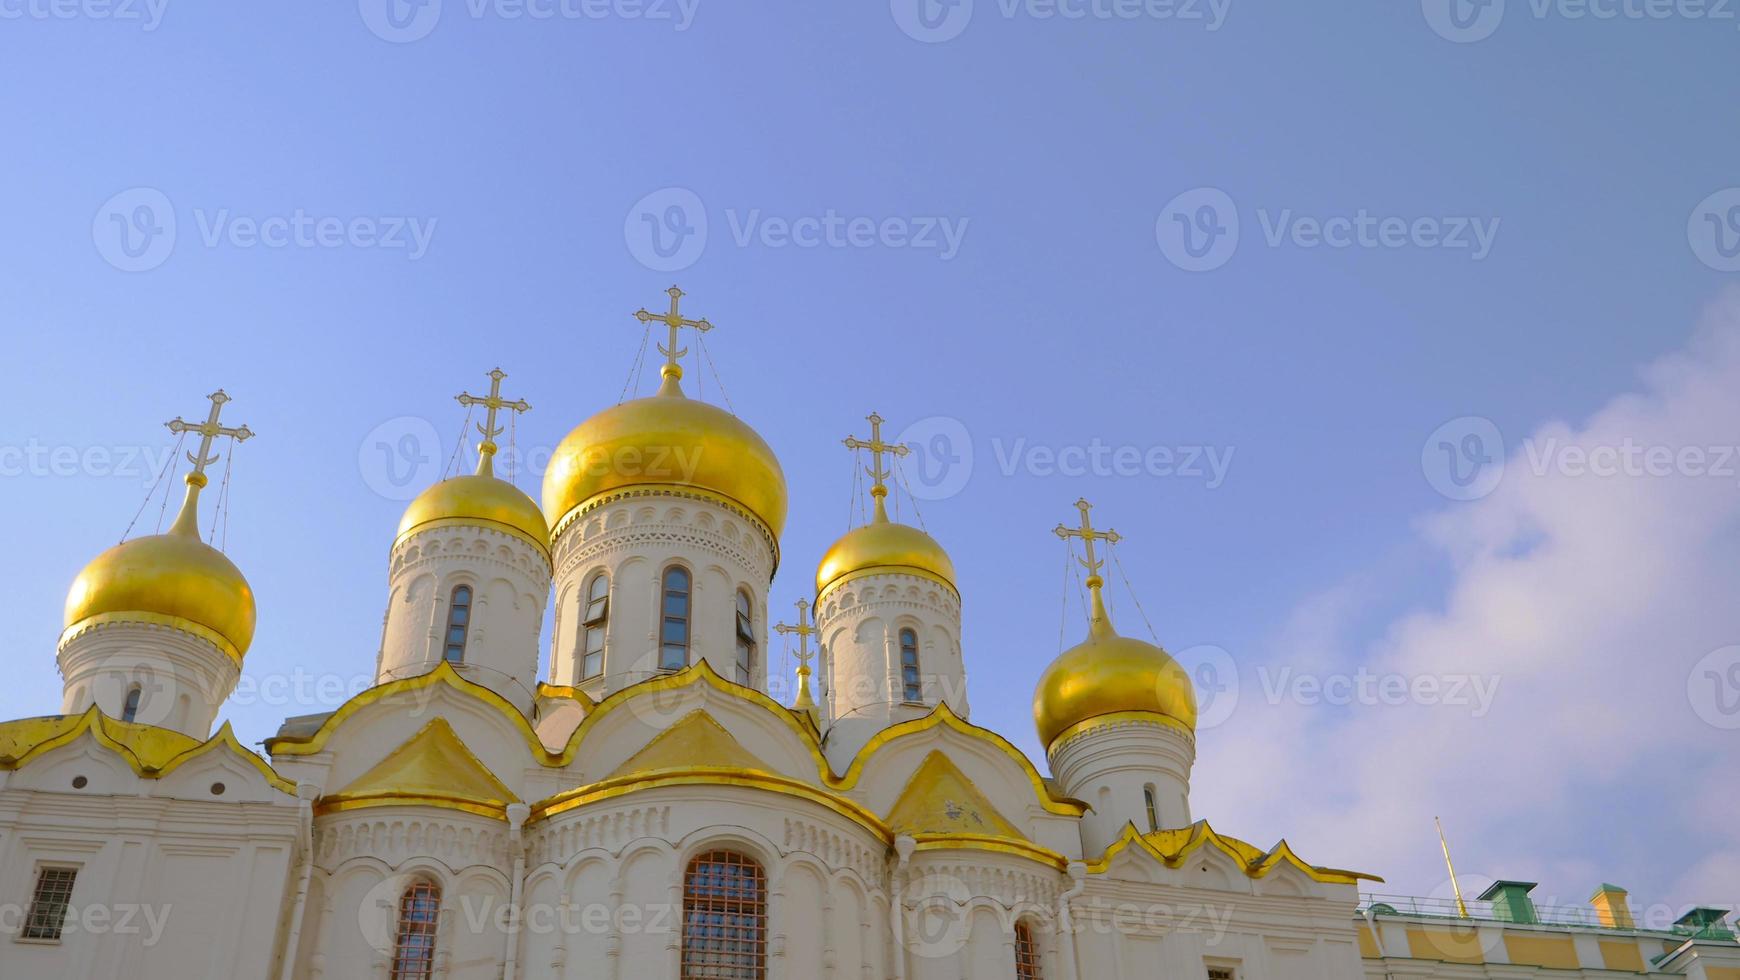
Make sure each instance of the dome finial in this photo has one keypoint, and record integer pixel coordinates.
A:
(493, 402)
(805, 702)
(878, 475)
(672, 372)
(1099, 624)
(187, 521)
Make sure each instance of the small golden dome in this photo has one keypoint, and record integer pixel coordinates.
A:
(174, 579)
(666, 440)
(1110, 675)
(886, 546)
(479, 499)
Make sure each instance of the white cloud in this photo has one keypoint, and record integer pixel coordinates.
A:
(1589, 598)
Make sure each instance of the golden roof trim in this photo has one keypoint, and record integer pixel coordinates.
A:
(150, 751)
(996, 845)
(935, 787)
(1173, 847)
(944, 717)
(444, 673)
(613, 788)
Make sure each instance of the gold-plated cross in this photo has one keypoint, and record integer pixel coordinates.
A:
(209, 431)
(1088, 536)
(1099, 622)
(673, 320)
(803, 629)
(187, 521)
(878, 474)
(492, 403)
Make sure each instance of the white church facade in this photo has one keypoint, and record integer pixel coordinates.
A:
(626, 799)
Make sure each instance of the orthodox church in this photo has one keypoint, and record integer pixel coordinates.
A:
(627, 800)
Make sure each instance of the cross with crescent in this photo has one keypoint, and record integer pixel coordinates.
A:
(674, 321)
(492, 403)
(187, 521)
(878, 473)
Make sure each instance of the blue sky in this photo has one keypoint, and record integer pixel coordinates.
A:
(1017, 280)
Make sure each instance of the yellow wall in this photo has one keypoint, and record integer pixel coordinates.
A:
(1621, 955)
(1553, 952)
(1368, 947)
(1449, 945)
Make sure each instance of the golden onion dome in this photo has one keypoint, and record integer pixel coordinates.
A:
(171, 579)
(884, 546)
(1107, 678)
(478, 499)
(667, 440)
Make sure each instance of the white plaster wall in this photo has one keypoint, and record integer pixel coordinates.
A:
(1109, 767)
(859, 622)
(510, 582)
(210, 875)
(182, 679)
(633, 539)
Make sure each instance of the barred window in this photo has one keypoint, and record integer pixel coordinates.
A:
(593, 619)
(1221, 973)
(1026, 953)
(48, 903)
(674, 620)
(458, 623)
(1153, 811)
(912, 686)
(745, 639)
(414, 949)
(130, 709)
(724, 918)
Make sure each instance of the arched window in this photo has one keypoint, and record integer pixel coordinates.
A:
(724, 918)
(593, 618)
(414, 948)
(674, 620)
(458, 623)
(130, 709)
(745, 638)
(913, 688)
(1026, 953)
(1153, 810)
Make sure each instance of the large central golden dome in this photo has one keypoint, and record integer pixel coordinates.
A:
(666, 440)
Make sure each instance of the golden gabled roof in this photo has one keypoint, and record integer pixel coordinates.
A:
(940, 799)
(150, 751)
(1173, 847)
(696, 740)
(432, 768)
